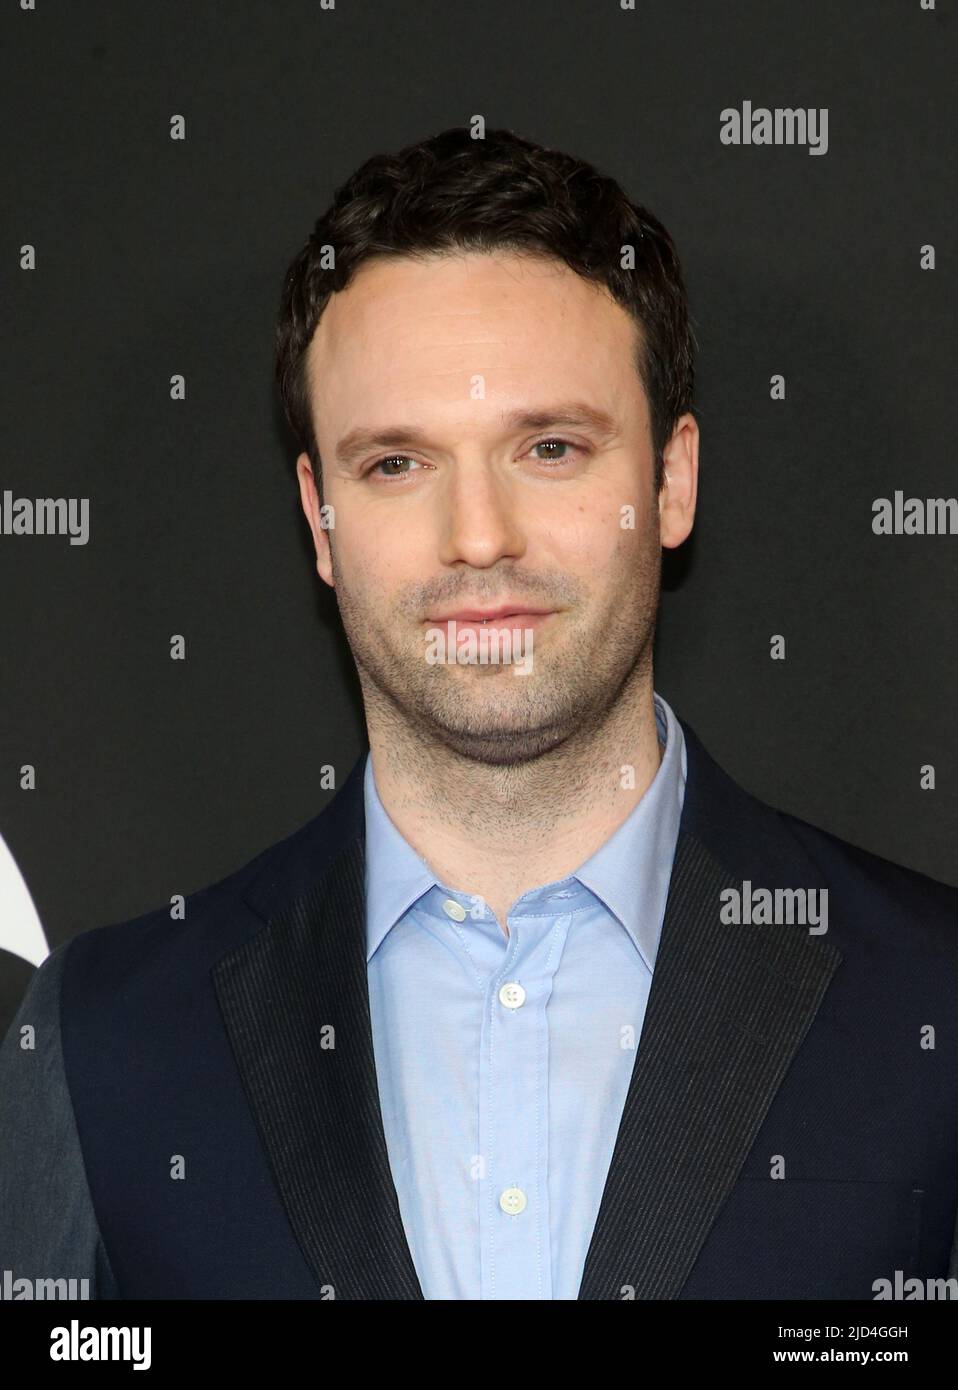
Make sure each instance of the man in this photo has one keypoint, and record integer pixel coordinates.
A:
(542, 1005)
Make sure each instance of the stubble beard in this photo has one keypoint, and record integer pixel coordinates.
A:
(489, 714)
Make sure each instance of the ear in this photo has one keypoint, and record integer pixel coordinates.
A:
(679, 483)
(309, 496)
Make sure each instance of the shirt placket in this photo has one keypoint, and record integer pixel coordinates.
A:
(514, 1218)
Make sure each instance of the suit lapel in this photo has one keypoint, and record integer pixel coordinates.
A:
(295, 1003)
(728, 1008)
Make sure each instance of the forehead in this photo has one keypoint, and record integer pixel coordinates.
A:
(406, 326)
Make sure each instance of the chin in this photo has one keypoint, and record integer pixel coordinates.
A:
(498, 746)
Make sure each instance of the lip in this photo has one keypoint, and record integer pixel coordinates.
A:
(477, 615)
(496, 628)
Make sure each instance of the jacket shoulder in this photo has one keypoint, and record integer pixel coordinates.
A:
(881, 898)
(885, 875)
(48, 1226)
(182, 938)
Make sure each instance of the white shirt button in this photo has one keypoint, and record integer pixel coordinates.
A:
(512, 995)
(454, 910)
(512, 1201)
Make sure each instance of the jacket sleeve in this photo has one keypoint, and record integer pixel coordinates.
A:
(48, 1227)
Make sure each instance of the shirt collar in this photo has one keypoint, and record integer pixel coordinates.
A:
(629, 873)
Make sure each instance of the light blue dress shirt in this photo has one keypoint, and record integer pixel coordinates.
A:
(503, 1062)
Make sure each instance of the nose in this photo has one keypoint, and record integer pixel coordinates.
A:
(480, 522)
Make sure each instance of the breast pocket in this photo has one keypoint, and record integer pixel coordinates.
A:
(809, 1240)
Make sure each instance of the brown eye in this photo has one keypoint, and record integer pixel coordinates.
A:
(553, 444)
(387, 461)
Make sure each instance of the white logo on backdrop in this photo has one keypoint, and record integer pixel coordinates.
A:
(20, 929)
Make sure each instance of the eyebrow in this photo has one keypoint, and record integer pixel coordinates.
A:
(355, 445)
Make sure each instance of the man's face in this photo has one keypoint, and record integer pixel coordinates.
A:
(452, 502)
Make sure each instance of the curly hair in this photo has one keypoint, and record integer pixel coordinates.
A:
(454, 192)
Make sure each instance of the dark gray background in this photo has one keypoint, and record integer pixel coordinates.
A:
(158, 257)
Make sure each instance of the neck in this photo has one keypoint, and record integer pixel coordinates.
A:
(499, 831)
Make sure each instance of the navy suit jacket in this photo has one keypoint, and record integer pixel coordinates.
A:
(181, 1129)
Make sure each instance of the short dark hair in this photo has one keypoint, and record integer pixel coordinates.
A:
(453, 192)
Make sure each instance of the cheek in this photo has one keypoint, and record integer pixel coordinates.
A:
(377, 561)
(618, 555)
(593, 539)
